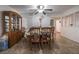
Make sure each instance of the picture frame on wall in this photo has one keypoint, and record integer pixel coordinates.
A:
(77, 19)
(62, 21)
(71, 20)
(51, 22)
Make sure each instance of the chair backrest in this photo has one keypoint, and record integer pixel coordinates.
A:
(31, 36)
(48, 34)
(44, 36)
(36, 36)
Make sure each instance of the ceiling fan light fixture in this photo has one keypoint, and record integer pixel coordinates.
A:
(40, 11)
(40, 7)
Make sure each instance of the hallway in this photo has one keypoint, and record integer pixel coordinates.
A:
(62, 45)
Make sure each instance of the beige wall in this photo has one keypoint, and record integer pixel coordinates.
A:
(71, 32)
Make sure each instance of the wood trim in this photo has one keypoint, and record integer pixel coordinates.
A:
(21, 23)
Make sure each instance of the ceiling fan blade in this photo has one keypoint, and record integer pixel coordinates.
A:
(36, 13)
(48, 9)
(44, 13)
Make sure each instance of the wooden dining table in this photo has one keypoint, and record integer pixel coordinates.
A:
(40, 38)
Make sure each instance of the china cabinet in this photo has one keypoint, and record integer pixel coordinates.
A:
(12, 26)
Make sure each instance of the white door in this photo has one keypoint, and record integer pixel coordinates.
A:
(58, 26)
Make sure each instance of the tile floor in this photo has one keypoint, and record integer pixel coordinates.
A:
(61, 45)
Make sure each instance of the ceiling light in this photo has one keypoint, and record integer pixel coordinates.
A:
(40, 7)
(40, 11)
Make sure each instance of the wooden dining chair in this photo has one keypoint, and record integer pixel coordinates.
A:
(45, 40)
(35, 40)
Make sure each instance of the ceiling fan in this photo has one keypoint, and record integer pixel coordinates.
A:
(40, 9)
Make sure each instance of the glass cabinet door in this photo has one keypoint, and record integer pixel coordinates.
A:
(6, 23)
(19, 23)
(13, 23)
(51, 22)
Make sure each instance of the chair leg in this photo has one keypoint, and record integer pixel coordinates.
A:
(30, 45)
(42, 45)
(39, 45)
(50, 47)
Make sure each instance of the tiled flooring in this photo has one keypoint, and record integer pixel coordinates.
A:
(61, 45)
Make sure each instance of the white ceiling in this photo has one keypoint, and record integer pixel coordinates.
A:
(25, 9)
